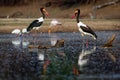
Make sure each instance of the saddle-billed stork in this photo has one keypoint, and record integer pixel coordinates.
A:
(84, 29)
(37, 23)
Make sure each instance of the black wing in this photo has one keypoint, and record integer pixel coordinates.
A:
(35, 23)
(88, 30)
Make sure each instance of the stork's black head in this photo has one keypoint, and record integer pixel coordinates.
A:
(43, 10)
(77, 12)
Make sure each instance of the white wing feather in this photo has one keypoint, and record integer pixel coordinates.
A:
(40, 19)
(81, 24)
(16, 31)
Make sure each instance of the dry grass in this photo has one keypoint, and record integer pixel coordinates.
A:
(68, 25)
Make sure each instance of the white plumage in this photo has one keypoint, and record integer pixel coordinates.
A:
(55, 22)
(84, 29)
(24, 30)
(83, 32)
(81, 24)
(36, 28)
(40, 19)
(16, 31)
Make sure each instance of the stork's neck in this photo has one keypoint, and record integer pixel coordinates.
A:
(43, 15)
(77, 17)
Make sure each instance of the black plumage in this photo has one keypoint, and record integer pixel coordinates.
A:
(84, 29)
(88, 30)
(35, 23)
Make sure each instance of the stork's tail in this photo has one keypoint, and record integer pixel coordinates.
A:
(94, 36)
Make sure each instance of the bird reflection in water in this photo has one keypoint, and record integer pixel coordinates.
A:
(40, 56)
(54, 40)
(20, 43)
(84, 56)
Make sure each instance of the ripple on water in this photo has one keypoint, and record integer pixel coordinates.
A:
(17, 59)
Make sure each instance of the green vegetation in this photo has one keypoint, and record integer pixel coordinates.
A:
(60, 68)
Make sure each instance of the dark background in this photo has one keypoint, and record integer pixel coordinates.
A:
(30, 8)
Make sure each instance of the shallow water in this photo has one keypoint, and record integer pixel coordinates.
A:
(84, 55)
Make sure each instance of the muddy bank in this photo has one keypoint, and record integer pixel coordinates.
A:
(68, 25)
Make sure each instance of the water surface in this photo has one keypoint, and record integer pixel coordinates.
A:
(81, 56)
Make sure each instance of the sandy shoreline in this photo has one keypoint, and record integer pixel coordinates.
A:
(68, 25)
